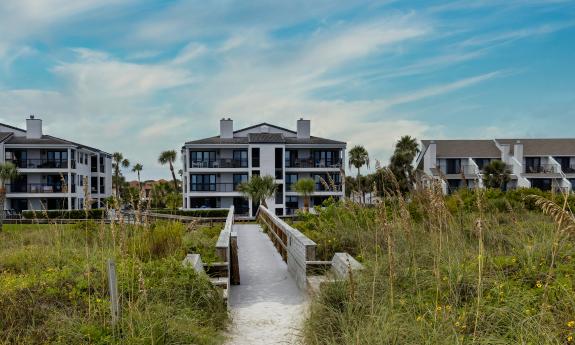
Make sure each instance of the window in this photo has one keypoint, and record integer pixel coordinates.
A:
(292, 204)
(256, 157)
(532, 164)
(482, 162)
(94, 185)
(279, 211)
(333, 181)
(290, 180)
(203, 183)
(102, 185)
(102, 165)
(240, 158)
(280, 194)
(453, 166)
(204, 157)
(255, 173)
(204, 202)
(239, 178)
(326, 158)
(291, 158)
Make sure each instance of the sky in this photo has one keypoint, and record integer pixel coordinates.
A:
(143, 76)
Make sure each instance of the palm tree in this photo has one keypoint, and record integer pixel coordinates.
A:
(169, 157)
(406, 149)
(358, 157)
(8, 171)
(496, 174)
(137, 168)
(258, 188)
(305, 187)
(118, 161)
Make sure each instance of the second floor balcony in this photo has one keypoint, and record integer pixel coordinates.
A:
(214, 187)
(220, 163)
(39, 188)
(542, 169)
(44, 163)
(313, 163)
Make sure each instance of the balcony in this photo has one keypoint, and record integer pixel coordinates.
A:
(38, 188)
(311, 163)
(569, 170)
(542, 169)
(220, 163)
(466, 169)
(320, 187)
(44, 163)
(214, 187)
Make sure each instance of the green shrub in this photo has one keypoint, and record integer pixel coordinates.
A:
(65, 214)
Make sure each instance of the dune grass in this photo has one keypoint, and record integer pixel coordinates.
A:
(54, 287)
(436, 273)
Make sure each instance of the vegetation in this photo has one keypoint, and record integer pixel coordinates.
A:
(137, 168)
(258, 188)
(496, 175)
(358, 157)
(305, 187)
(96, 214)
(169, 157)
(406, 149)
(484, 267)
(54, 286)
(8, 172)
(118, 162)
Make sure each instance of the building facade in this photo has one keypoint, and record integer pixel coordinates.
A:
(547, 164)
(215, 166)
(53, 172)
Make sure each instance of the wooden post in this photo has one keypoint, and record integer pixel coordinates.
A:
(234, 263)
(113, 286)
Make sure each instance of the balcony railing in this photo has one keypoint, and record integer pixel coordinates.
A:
(320, 187)
(213, 187)
(569, 170)
(312, 163)
(221, 163)
(38, 188)
(542, 169)
(44, 163)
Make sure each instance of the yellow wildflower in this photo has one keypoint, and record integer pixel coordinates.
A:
(538, 284)
(570, 338)
(571, 324)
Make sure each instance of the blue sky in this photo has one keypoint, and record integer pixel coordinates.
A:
(141, 76)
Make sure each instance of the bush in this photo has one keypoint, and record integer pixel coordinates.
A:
(65, 214)
(208, 213)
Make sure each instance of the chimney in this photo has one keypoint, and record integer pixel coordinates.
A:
(226, 128)
(303, 128)
(33, 128)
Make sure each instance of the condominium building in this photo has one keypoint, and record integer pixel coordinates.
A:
(542, 163)
(52, 171)
(215, 166)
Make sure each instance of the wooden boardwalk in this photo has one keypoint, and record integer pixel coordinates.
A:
(268, 307)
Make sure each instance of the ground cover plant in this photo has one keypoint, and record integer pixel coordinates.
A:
(54, 287)
(447, 271)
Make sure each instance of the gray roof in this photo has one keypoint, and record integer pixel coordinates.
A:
(5, 135)
(45, 140)
(543, 147)
(464, 148)
(266, 138)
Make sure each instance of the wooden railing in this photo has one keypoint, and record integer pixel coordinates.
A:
(226, 271)
(295, 248)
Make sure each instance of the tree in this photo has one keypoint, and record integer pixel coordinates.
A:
(137, 168)
(169, 157)
(305, 187)
(406, 149)
(8, 172)
(258, 188)
(358, 157)
(118, 162)
(496, 174)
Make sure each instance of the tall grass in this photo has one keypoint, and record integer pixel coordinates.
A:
(442, 271)
(54, 288)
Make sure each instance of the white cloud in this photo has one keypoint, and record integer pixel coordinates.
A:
(97, 75)
(191, 51)
(161, 128)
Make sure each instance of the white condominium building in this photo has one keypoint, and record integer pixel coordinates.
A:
(51, 170)
(541, 163)
(215, 166)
